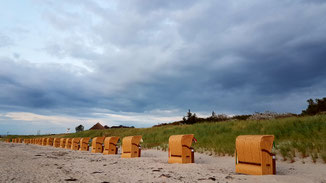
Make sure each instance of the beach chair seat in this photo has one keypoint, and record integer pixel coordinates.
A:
(180, 150)
(131, 147)
(253, 155)
(49, 142)
(75, 144)
(97, 144)
(56, 142)
(110, 145)
(84, 144)
(68, 143)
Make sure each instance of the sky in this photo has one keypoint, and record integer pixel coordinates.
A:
(145, 62)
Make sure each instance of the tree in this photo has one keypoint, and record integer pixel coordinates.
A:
(315, 107)
(79, 128)
(213, 115)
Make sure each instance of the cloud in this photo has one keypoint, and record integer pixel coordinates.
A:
(121, 60)
(5, 41)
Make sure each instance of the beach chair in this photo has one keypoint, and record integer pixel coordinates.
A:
(68, 143)
(39, 141)
(49, 142)
(44, 141)
(75, 144)
(110, 145)
(84, 144)
(253, 155)
(56, 142)
(97, 144)
(63, 142)
(131, 147)
(180, 150)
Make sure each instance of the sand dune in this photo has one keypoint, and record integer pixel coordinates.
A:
(33, 163)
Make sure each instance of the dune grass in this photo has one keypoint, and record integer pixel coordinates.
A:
(295, 136)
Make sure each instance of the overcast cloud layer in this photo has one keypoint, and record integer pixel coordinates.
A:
(64, 63)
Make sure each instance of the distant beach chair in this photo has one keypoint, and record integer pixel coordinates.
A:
(131, 147)
(56, 142)
(27, 141)
(49, 142)
(97, 144)
(68, 143)
(110, 145)
(84, 144)
(63, 143)
(39, 141)
(75, 144)
(253, 155)
(180, 150)
(44, 141)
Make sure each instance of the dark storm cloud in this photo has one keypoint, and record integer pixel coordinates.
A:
(228, 56)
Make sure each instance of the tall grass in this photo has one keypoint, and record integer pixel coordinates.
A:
(305, 135)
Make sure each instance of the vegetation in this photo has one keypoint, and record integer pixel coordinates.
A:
(301, 136)
(79, 128)
(315, 107)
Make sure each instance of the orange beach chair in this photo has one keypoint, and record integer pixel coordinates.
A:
(97, 144)
(110, 145)
(253, 155)
(68, 143)
(84, 144)
(75, 144)
(180, 150)
(131, 147)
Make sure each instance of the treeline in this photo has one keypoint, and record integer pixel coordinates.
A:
(317, 106)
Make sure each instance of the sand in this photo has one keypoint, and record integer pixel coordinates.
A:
(34, 163)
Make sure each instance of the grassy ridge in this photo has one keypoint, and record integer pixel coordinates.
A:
(294, 136)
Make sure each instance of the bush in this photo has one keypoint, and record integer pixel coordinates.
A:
(315, 107)
(79, 128)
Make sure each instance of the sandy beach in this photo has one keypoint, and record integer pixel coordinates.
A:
(34, 163)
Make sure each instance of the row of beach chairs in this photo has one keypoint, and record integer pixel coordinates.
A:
(253, 152)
